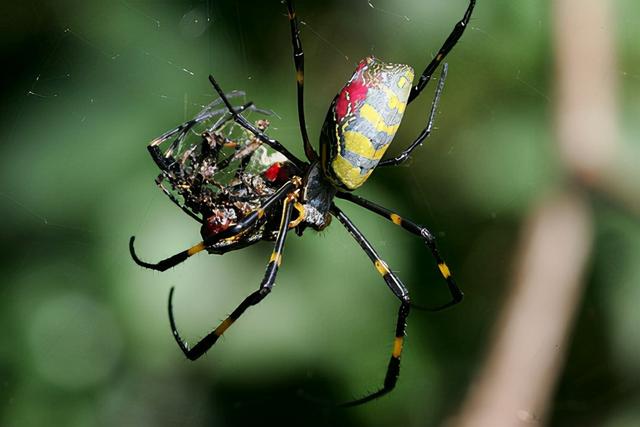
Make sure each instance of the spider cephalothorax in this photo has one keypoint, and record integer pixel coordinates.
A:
(243, 186)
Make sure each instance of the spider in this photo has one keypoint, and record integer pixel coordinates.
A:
(249, 195)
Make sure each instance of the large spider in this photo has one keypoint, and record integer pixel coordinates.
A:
(249, 195)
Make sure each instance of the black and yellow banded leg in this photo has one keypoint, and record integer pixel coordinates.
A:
(298, 60)
(418, 230)
(242, 121)
(399, 290)
(238, 228)
(448, 44)
(265, 288)
(404, 155)
(393, 368)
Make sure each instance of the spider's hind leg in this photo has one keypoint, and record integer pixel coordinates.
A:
(418, 230)
(399, 290)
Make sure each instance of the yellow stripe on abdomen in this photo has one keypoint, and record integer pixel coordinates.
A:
(370, 114)
(361, 145)
(348, 174)
(393, 101)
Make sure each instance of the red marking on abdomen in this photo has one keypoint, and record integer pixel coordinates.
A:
(353, 92)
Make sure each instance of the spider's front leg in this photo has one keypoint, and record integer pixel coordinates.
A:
(241, 226)
(446, 47)
(298, 60)
(263, 137)
(265, 288)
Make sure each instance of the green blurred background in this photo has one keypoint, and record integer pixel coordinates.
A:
(86, 339)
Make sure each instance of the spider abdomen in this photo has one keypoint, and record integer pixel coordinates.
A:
(363, 120)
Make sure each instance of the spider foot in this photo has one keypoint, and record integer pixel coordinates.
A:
(457, 294)
(167, 263)
(174, 330)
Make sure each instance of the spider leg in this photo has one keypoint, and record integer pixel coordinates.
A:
(258, 133)
(404, 155)
(418, 230)
(265, 288)
(399, 290)
(449, 43)
(298, 59)
(238, 228)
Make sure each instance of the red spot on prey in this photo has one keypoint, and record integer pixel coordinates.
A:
(278, 172)
(272, 173)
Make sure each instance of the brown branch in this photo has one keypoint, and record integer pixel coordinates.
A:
(514, 386)
(526, 356)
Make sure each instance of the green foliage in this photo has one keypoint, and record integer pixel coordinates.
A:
(86, 337)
